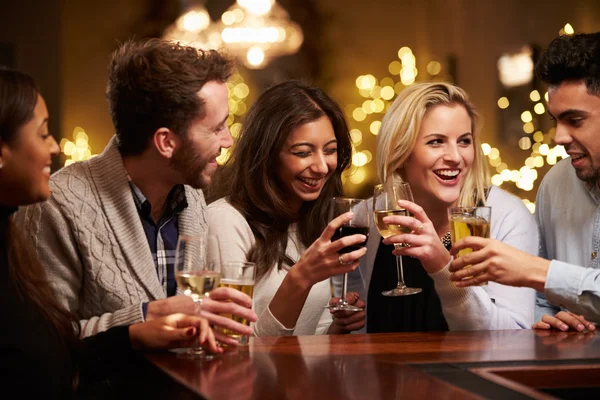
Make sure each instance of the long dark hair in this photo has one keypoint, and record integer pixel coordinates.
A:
(18, 98)
(248, 177)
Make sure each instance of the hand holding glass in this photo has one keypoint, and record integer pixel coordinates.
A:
(238, 275)
(359, 224)
(469, 221)
(385, 204)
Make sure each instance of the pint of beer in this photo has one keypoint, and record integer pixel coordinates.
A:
(469, 221)
(239, 275)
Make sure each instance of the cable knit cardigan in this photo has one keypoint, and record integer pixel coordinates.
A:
(91, 240)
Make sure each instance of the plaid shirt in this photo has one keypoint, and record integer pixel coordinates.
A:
(162, 236)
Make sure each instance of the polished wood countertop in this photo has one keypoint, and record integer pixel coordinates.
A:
(379, 366)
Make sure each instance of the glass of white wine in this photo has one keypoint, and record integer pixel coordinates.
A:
(385, 203)
(195, 277)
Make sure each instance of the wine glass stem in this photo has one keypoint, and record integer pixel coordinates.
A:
(344, 289)
(400, 270)
(197, 349)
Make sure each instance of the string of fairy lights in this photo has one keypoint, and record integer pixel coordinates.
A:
(376, 97)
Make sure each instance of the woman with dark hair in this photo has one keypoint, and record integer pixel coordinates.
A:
(272, 210)
(41, 352)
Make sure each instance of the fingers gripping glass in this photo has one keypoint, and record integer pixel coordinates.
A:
(385, 203)
(195, 277)
(359, 224)
(469, 221)
(238, 275)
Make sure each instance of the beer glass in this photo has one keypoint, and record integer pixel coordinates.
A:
(195, 277)
(359, 224)
(239, 275)
(385, 204)
(469, 221)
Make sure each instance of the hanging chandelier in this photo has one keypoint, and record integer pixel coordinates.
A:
(255, 31)
(194, 28)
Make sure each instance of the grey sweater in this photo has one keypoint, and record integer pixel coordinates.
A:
(90, 238)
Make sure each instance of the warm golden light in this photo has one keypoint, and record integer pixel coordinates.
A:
(534, 95)
(255, 56)
(503, 103)
(434, 68)
(486, 148)
(374, 127)
(568, 29)
(539, 108)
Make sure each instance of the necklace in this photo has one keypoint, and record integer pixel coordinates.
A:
(446, 239)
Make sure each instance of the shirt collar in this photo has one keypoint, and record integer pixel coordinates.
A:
(176, 199)
(593, 190)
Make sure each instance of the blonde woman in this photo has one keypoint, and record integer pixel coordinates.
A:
(429, 138)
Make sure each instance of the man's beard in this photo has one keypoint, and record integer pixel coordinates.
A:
(591, 176)
(189, 165)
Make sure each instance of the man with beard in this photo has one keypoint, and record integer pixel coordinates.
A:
(567, 205)
(109, 232)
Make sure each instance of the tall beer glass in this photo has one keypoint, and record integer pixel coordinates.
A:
(239, 275)
(469, 221)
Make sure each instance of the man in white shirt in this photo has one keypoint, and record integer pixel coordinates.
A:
(568, 201)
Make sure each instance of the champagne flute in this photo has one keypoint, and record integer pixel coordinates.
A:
(195, 278)
(385, 203)
(359, 224)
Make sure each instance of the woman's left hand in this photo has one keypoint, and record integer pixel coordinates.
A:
(423, 239)
(347, 321)
(173, 331)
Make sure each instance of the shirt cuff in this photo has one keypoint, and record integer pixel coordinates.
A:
(562, 283)
(268, 325)
(450, 295)
(144, 310)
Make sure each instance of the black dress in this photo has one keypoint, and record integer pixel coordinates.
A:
(421, 312)
(36, 361)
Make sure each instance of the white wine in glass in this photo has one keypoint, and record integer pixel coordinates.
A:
(195, 278)
(385, 203)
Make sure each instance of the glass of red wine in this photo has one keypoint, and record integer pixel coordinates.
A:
(359, 224)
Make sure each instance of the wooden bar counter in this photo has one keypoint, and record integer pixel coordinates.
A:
(450, 365)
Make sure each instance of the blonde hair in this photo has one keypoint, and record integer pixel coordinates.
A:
(401, 125)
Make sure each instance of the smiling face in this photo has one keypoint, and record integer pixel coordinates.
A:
(442, 156)
(26, 161)
(577, 115)
(195, 157)
(306, 161)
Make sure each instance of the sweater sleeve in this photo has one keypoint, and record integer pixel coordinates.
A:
(56, 245)
(229, 235)
(494, 306)
(230, 239)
